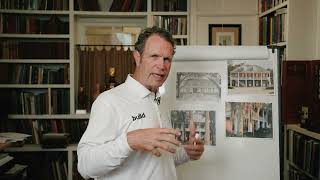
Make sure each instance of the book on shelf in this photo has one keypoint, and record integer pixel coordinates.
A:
(19, 49)
(112, 5)
(39, 74)
(6, 162)
(16, 172)
(304, 153)
(14, 136)
(169, 5)
(34, 24)
(38, 127)
(35, 4)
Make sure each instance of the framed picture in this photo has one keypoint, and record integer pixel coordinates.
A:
(225, 34)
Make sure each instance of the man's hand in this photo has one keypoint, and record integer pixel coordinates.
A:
(150, 139)
(195, 147)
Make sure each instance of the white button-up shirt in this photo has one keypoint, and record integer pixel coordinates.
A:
(103, 151)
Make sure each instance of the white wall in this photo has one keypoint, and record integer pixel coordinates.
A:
(205, 12)
(302, 30)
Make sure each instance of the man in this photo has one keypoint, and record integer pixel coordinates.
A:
(126, 137)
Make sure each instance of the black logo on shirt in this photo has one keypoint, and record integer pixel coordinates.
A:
(139, 116)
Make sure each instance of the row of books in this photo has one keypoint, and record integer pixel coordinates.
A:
(39, 127)
(177, 25)
(35, 4)
(181, 41)
(17, 49)
(36, 101)
(295, 174)
(35, 74)
(169, 5)
(304, 152)
(59, 169)
(60, 101)
(111, 5)
(264, 5)
(273, 28)
(9, 170)
(33, 24)
(44, 165)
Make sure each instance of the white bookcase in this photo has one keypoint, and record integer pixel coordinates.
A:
(296, 27)
(13, 14)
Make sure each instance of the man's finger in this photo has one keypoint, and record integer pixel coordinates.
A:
(166, 146)
(192, 128)
(175, 132)
(170, 139)
(156, 152)
(189, 147)
(199, 141)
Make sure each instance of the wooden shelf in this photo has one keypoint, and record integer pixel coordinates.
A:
(272, 10)
(33, 36)
(38, 61)
(302, 171)
(14, 11)
(34, 86)
(37, 148)
(49, 116)
(160, 13)
(180, 36)
(89, 14)
(306, 132)
(3, 146)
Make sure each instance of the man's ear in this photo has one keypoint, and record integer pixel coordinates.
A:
(137, 57)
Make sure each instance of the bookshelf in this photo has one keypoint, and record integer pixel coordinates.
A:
(302, 159)
(38, 40)
(173, 15)
(290, 25)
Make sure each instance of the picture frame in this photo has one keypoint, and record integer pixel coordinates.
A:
(225, 34)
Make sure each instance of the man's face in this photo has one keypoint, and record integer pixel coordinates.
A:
(154, 64)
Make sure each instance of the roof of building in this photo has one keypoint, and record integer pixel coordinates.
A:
(249, 68)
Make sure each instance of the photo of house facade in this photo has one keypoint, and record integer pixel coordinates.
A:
(198, 86)
(203, 123)
(250, 77)
(249, 119)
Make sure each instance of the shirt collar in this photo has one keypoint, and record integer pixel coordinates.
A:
(138, 89)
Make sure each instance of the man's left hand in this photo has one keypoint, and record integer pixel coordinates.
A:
(195, 149)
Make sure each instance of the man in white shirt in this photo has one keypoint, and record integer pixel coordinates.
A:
(127, 138)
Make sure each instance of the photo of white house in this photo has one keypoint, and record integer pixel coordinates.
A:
(250, 77)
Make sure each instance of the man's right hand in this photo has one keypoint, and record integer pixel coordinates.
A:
(152, 138)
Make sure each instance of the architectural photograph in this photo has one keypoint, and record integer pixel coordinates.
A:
(203, 122)
(249, 119)
(250, 77)
(198, 86)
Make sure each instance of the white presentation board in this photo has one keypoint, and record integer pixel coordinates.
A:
(232, 93)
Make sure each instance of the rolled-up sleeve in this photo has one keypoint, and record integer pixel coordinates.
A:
(102, 147)
(181, 156)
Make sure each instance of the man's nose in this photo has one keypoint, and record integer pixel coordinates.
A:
(161, 63)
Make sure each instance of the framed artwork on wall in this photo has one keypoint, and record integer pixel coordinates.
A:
(225, 34)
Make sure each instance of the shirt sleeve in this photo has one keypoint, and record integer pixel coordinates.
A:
(102, 147)
(181, 156)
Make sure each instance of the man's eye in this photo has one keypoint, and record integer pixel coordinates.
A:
(167, 59)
